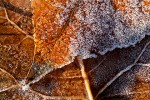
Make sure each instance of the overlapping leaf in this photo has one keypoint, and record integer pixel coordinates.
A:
(65, 29)
(117, 75)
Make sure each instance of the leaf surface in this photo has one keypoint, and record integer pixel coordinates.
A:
(69, 28)
(26, 71)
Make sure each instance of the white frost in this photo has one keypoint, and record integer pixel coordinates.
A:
(100, 28)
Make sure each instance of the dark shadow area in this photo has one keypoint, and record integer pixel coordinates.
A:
(15, 9)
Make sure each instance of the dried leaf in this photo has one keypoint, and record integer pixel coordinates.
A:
(119, 74)
(69, 28)
(52, 40)
(16, 41)
(122, 74)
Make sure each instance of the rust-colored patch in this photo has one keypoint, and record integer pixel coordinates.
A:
(52, 40)
(119, 4)
(124, 5)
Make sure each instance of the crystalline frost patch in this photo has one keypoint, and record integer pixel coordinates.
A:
(68, 28)
(103, 25)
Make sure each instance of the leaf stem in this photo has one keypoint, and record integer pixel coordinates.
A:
(85, 78)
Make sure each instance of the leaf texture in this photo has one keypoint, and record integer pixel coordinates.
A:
(121, 73)
(27, 71)
(69, 28)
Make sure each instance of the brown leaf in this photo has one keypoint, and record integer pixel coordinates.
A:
(16, 42)
(52, 40)
(122, 74)
(66, 29)
(119, 74)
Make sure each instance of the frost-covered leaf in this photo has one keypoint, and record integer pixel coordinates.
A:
(122, 74)
(17, 93)
(7, 81)
(68, 28)
(62, 83)
(103, 25)
(16, 42)
(52, 40)
(16, 59)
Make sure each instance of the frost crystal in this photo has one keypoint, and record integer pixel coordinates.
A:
(103, 25)
(68, 28)
(24, 85)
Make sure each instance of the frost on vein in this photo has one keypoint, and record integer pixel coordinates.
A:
(67, 28)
